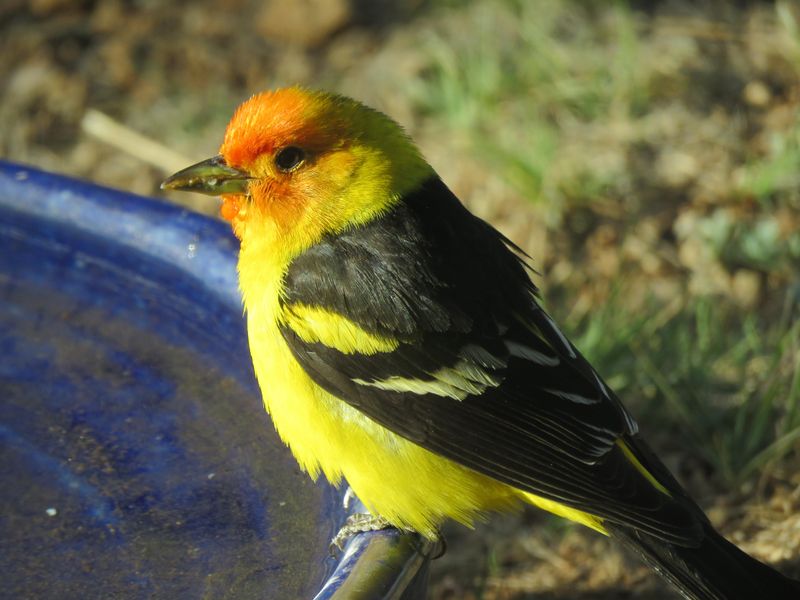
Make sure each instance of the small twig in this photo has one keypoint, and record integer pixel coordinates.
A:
(107, 130)
(696, 28)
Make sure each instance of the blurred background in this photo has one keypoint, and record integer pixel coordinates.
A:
(645, 154)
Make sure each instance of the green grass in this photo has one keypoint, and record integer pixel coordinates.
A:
(777, 174)
(509, 64)
(727, 384)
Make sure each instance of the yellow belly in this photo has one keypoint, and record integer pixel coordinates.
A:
(408, 485)
(404, 483)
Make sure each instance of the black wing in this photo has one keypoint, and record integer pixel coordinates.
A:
(481, 375)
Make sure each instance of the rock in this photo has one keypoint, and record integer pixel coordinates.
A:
(746, 287)
(757, 94)
(306, 23)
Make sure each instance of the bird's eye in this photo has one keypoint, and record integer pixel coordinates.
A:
(288, 158)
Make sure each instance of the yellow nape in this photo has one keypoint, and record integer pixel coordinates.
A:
(318, 325)
(573, 514)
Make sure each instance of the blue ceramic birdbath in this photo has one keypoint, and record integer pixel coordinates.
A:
(136, 460)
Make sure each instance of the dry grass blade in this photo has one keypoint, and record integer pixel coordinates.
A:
(114, 133)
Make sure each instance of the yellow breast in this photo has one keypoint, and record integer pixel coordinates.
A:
(406, 484)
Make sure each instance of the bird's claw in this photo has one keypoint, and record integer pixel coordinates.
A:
(357, 523)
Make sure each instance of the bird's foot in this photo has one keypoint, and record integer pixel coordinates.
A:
(357, 523)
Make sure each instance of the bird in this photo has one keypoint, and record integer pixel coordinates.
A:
(400, 345)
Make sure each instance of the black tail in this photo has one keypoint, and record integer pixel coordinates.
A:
(714, 570)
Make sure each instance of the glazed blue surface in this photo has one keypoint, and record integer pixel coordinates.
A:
(136, 460)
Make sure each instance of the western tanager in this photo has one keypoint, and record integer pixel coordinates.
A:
(399, 344)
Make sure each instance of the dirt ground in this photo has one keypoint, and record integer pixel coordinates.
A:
(703, 135)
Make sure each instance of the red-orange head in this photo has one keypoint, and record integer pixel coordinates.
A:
(296, 164)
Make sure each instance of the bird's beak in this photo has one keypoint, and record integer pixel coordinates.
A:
(213, 177)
